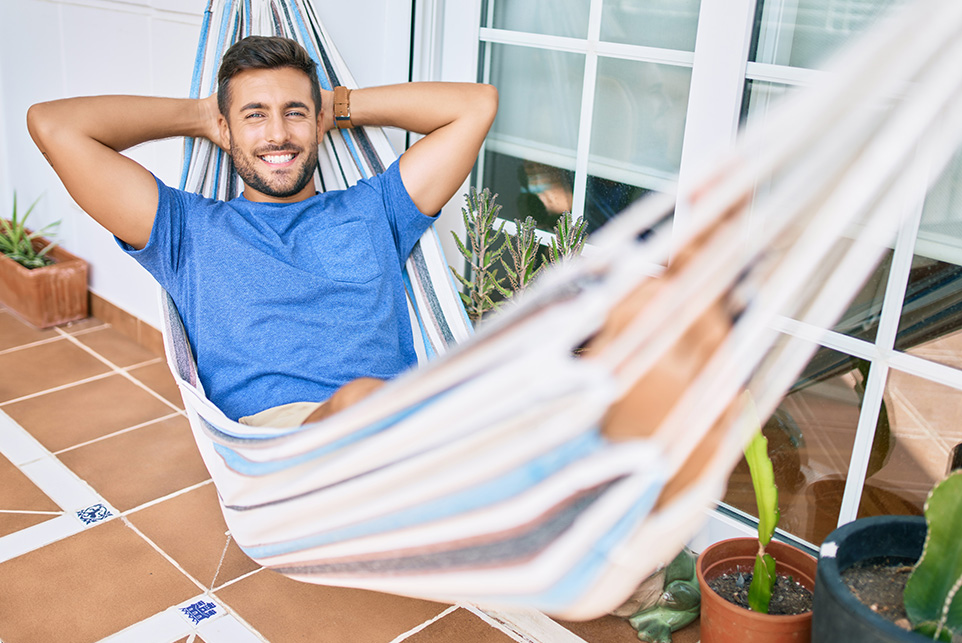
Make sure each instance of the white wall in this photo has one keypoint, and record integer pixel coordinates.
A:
(57, 48)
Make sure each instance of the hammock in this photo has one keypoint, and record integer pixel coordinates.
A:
(482, 476)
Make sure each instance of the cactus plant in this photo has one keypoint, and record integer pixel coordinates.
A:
(766, 497)
(481, 252)
(932, 596)
(569, 238)
(524, 257)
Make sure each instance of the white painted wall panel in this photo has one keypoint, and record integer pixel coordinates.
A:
(56, 48)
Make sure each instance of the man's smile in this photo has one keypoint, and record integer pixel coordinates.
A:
(278, 159)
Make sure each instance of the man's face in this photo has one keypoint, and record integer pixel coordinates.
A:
(272, 128)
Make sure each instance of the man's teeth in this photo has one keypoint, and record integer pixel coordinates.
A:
(277, 158)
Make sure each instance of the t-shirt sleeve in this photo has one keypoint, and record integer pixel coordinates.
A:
(407, 221)
(163, 252)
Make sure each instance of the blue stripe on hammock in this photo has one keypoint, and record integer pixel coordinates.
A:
(502, 488)
(586, 572)
(429, 351)
(246, 467)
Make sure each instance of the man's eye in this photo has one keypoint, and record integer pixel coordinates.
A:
(254, 115)
(298, 114)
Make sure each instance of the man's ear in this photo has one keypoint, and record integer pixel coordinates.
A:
(224, 133)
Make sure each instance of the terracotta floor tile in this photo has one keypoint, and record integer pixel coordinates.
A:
(38, 368)
(14, 332)
(157, 378)
(18, 493)
(190, 529)
(116, 347)
(77, 414)
(460, 625)
(284, 610)
(85, 587)
(82, 325)
(138, 466)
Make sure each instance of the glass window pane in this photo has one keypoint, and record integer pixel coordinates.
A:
(528, 188)
(931, 322)
(804, 33)
(636, 134)
(530, 152)
(862, 317)
(919, 425)
(540, 103)
(669, 24)
(810, 440)
(550, 17)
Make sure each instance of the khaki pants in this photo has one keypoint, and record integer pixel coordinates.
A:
(283, 416)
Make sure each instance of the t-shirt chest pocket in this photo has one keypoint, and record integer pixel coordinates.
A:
(347, 254)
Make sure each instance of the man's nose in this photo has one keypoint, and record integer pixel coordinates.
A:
(276, 130)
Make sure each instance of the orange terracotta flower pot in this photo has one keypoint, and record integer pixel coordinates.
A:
(724, 622)
(48, 296)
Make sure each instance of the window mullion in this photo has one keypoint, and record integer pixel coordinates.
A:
(580, 188)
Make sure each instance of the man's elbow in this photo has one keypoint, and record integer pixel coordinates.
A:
(488, 101)
(39, 124)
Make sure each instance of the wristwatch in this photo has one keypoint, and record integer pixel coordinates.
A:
(342, 107)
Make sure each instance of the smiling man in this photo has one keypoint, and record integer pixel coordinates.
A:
(292, 299)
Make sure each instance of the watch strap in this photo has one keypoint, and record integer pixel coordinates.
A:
(342, 107)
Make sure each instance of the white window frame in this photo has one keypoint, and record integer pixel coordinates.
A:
(720, 70)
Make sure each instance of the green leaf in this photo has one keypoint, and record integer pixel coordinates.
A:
(932, 594)
(763, 580)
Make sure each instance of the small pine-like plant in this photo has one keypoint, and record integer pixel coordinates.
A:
(932, 597)
(523, 250)
(569, 238)
(17, 243)
(482, 253)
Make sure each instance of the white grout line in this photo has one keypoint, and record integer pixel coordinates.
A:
(424, 625)
(122, 371)
(120, 432)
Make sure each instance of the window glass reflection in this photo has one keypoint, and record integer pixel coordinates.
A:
(550, 17)
(810, 440)
(931, 321)
(804, 33)
(919, 426)
(668, 24)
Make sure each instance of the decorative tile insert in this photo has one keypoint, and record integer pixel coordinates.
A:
(200, 610)
(93, 514)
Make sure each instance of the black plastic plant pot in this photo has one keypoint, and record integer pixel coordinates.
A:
(837, 615)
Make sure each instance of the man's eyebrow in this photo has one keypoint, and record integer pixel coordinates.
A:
(289, 105)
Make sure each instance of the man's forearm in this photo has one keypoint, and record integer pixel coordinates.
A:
(120, 122)
(417, 107)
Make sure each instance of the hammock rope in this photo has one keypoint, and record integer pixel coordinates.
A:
(482, 476)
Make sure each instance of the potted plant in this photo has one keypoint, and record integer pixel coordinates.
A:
(42, 282)
(925, 552)
(775, 568)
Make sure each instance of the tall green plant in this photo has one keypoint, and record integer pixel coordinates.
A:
(523, 250)
(766, 498)
(933, 599)
(17, 243)
(482, 252)
(569, 238)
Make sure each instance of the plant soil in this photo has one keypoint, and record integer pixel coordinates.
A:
(879, 583)
(788, 597)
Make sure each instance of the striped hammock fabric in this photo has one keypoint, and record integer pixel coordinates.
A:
(482, 476)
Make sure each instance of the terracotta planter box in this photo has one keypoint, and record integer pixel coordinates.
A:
(48, 296)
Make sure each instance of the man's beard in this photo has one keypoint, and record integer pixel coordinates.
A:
(245, 165)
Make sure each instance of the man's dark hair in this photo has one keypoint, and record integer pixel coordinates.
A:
(264, 52)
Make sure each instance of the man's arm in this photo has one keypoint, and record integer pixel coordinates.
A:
(455, 118)
(82, 139)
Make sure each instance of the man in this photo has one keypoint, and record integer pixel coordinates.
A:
(289, 297)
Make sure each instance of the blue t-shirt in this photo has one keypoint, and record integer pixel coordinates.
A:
(287, 302)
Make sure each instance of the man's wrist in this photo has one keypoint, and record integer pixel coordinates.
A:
(342, 107)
